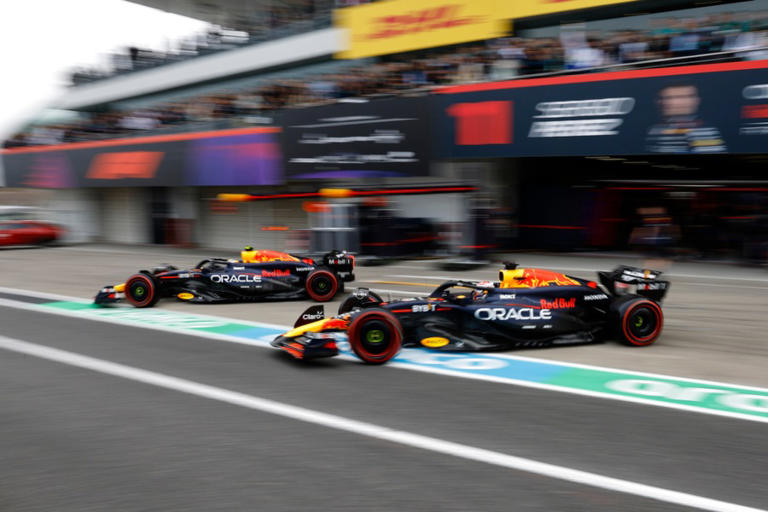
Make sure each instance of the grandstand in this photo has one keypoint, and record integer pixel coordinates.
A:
(266, 67)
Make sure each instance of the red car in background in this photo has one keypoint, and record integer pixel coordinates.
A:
(28, 232)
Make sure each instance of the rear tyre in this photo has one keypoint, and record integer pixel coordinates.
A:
(375, 336)
(639, 322)
(322, 285)
(141, 291)
(351, 303)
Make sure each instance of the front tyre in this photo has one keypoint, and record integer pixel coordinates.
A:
(141, 291)
(639, 322)
(375, 336)
(322, 285)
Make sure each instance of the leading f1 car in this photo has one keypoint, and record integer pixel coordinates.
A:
(526, 308)
(257, 275)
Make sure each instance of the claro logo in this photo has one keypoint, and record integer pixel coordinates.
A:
(513, 314)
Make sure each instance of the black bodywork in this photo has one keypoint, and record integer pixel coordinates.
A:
(483, 316)
(218, 280)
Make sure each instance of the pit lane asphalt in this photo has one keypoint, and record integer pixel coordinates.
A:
(76, 440)
(715, 321)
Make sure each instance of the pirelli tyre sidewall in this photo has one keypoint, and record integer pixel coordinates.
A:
(352, 302)
(638, 321)
(141, 290)
(322, 285)
(375, 336)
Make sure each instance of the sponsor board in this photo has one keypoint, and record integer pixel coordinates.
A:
(243, 156)
(678, 110)
(395, 26)
(730, 400)
(527, 8)
(379, 138)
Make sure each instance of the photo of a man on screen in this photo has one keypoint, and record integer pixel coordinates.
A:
(681, 130)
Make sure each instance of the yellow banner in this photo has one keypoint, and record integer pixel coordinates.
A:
(525, 8)
(394, 26)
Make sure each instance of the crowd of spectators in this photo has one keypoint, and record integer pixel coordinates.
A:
(745, 35)
(278, 20)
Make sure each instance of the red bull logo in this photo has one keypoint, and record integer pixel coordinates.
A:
(558, 303)
(275, 273)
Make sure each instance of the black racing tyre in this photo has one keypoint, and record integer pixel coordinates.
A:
(141, 290)
(322, 285)
(375, 336)
(352, 302)
(639, 321)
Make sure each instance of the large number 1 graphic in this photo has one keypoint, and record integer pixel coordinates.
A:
(485, 122)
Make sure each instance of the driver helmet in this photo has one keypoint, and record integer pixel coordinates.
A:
(481, 294)
(248, 255)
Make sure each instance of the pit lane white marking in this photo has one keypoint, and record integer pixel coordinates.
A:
(39, 295)
(369, 429)
(417, 362)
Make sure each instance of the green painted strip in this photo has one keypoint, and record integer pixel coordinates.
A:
(72, 306)
(715, 398)
(720, 397)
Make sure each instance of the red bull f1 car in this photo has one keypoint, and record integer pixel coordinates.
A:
(257, 275)
(526, 308)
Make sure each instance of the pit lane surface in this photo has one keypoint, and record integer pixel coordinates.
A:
(715, 321)
(74, 439)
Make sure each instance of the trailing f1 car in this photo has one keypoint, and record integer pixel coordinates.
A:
(526, 308)
(257, 275)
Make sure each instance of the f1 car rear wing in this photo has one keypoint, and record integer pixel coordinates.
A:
(646, 282)
(341, 262)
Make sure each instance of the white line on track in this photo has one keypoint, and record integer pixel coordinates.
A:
(423, 367)
(369, 429)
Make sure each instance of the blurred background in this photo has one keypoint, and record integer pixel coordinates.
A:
(393, 129)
